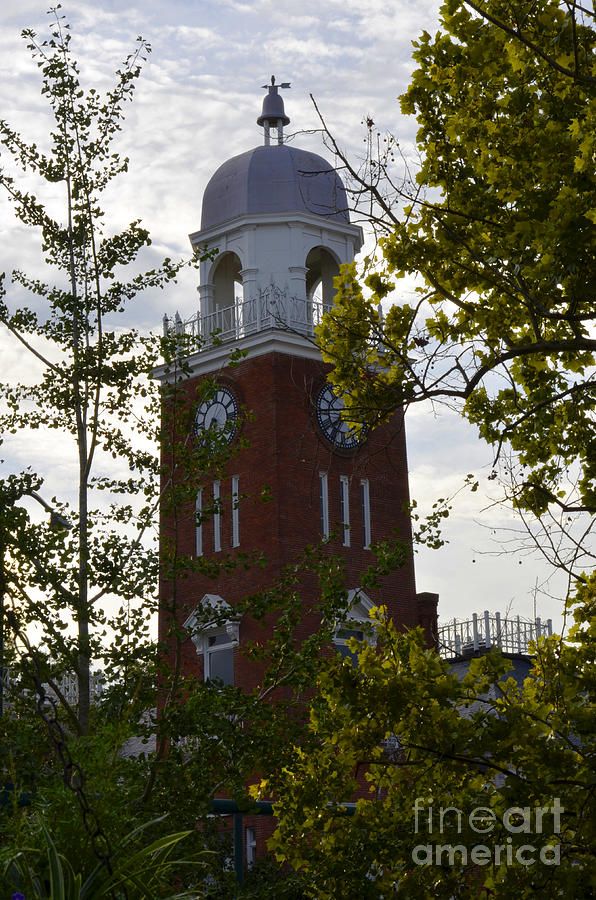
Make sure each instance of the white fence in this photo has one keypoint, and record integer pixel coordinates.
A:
(67, 685)
(512, 635)
(273, 308)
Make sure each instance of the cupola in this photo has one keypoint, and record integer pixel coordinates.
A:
(277, 217)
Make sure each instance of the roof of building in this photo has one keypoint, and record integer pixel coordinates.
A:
(274, 179)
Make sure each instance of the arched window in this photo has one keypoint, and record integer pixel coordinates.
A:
(222, 313)
(227, 281)
(321, 268)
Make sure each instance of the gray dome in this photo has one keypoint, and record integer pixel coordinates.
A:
(274, 179)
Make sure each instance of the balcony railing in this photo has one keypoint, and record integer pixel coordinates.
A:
(67, 684)
(512, 635)
(273, 308)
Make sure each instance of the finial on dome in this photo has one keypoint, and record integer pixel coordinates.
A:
(273, 113)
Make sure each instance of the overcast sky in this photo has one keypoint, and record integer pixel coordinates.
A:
(196, 106)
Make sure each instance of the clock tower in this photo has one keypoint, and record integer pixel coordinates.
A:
(276, 221)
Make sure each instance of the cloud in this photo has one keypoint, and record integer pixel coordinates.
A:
(195, 36)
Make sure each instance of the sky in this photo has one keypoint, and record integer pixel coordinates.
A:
(196, 106)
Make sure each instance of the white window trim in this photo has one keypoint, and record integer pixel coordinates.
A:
(216, 516)
(212, 616)
(324, 504)
(344, 488)
(357, 619)
(199, 523)
(209, 651)
(251, 847)
(235, 511)
(365, 492)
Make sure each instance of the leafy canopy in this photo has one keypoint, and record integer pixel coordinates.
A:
(499, 227)
(407, 736)
(93, 389)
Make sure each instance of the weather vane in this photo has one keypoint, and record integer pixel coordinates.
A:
(284, 84)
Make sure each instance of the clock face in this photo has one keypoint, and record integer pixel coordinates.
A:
(217, 415)
(329, 416)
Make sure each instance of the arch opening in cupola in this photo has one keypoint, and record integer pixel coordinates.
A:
(321, 268)
(227, 281)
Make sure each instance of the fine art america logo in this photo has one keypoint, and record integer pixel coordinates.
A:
(483, 821)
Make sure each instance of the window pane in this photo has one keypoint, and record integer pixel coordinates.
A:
(235, 511)
(324, 504)
(216, 640)
(221, 663)
(365, 492)
(346, 653)
(251, 846)
(216, 518)
(344, 498)
(199, 523)
(341, 640)
(345, 634)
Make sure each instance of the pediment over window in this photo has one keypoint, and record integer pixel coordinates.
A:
(357, 622)
(360, 605)
(212, 615)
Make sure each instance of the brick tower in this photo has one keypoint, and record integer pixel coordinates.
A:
(278, 218)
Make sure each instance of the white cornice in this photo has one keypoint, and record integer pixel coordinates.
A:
(214, 359)
(288, 218)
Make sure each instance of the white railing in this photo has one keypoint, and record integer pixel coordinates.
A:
(273, 308)
(67, 685)
(513, 635)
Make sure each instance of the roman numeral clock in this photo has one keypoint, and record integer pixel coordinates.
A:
(332, 422)
(218, 414)
(277, 217)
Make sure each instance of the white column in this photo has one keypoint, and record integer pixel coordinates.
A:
(298, 281)
(206, 297)
(249, 282)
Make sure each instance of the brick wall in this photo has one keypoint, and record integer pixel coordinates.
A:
(285, 454)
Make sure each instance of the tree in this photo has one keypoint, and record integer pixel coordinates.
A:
(94, 374)
(94, 392)
(499, 227)
(448, 772)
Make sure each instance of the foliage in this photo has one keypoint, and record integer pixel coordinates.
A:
(136, 873)
(94, 390)
(479, 742)
(94, 375)
(499, 227)
(218, 741)
(268, 879)
(91, 812)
